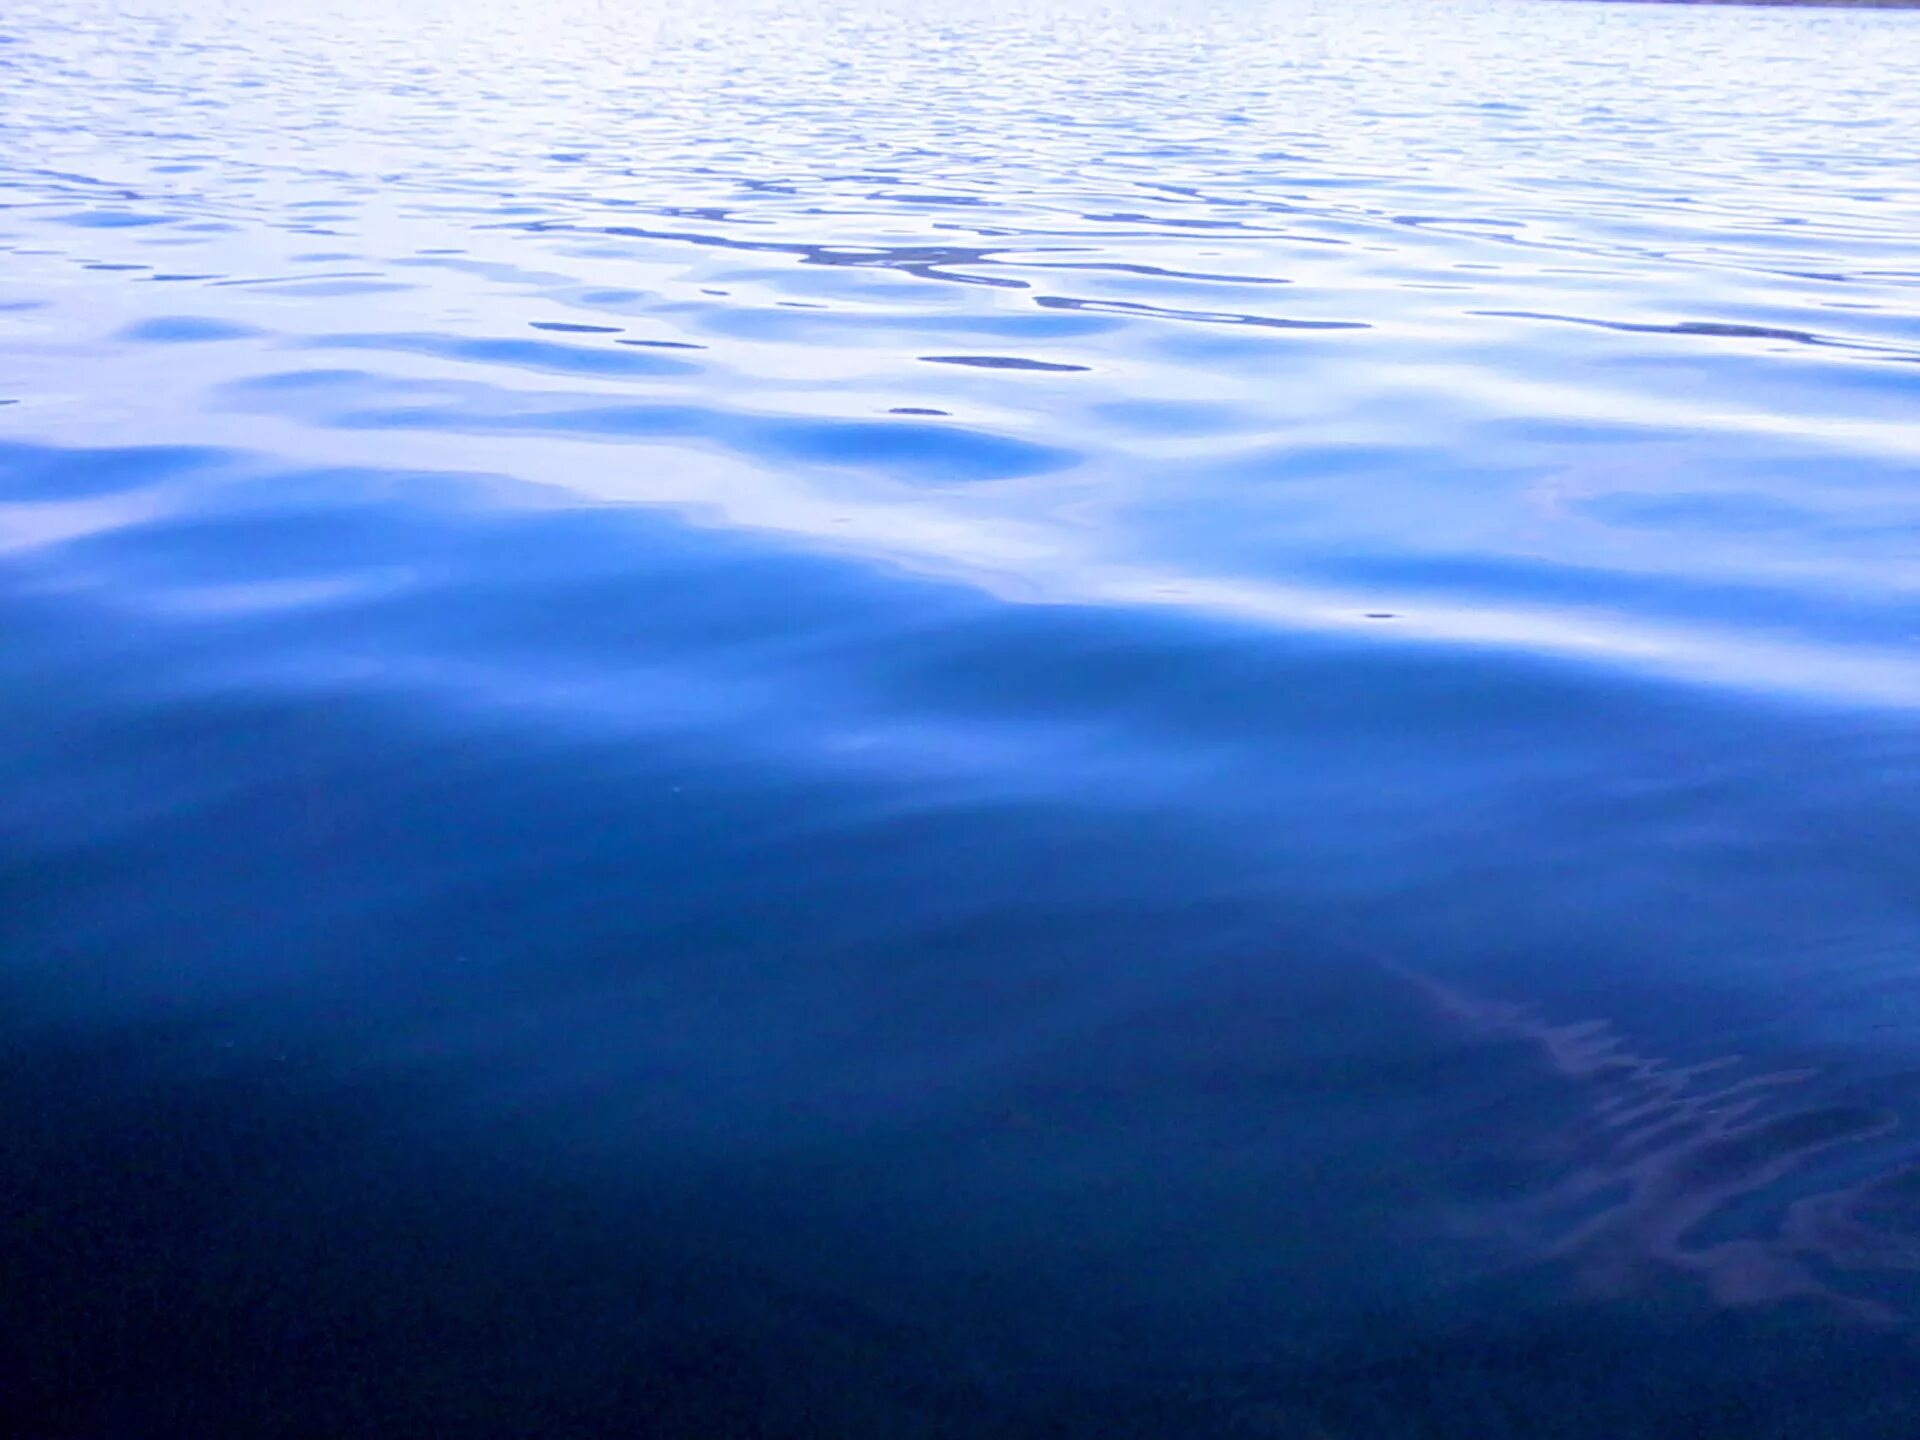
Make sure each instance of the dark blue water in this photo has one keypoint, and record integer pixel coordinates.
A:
(1040, 720)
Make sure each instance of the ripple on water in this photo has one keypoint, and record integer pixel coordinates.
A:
(187, 329)
(114, 219)
(35, 473)
(911, 453)
(513, 354)
(1004, 362)
(796, 633)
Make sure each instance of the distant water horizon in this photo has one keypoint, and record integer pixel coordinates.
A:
(1068, 720)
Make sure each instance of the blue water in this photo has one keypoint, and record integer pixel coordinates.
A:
(1034, 720)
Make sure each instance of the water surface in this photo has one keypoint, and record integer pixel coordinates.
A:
(1046, 720)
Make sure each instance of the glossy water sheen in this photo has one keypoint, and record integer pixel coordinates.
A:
(1009, 720)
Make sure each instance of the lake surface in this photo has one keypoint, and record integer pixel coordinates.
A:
(1030, 720)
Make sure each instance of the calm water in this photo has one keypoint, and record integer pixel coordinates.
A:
(1031, 720)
